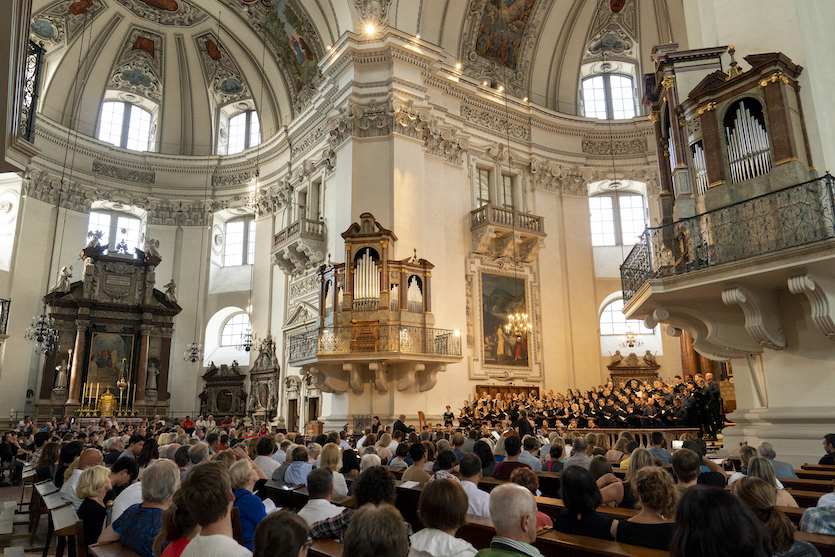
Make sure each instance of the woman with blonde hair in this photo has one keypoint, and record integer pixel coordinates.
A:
(759, 496)
(331, 459)
(382, 447)
(760, 467)
(622, 492)
(93, 485)
(618, 452)
(653, 526)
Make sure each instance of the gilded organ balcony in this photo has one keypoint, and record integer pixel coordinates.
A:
(498, 232)
(300, 246)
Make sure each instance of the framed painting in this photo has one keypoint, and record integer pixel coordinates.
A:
(106, 353)
(502, 295)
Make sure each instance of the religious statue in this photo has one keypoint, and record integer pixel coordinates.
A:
(616, 359)
(266, 354)
(234, 368)
(649, 359)
(153, 372)
(171, 292)
(95, 237)
(61, 375)
(63, 283)
(152, 247)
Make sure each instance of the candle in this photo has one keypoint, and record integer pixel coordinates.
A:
(83, 394)
(97, 391)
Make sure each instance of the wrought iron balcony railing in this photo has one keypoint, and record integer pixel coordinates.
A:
(4, 315)
(31, 87)
(491, 214)
(374, 339)
(788, 218)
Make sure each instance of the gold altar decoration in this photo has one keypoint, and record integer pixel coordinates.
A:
(107, 404)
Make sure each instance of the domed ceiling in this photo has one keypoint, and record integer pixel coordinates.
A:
(189, 57)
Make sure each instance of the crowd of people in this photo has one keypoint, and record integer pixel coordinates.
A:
(689, 402)
(173, 489)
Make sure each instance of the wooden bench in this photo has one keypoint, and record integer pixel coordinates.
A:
(320, 548)
(37, 508)
(65, 524)
(824, 467)
(816, 474)
(820, 486)
(805, 498)
(115, 549)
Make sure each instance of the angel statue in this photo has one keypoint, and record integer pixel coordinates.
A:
(616, 359)
(649, 359)
(63, 283)
(171, 292)
(152, 247)
(94, 237)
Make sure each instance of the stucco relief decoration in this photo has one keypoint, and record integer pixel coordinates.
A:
(173, 213)
(126, 174)
(304, 286)
(499, 36)
(371, 120)
(45, 187)
(180, 13)
(270, 199)
(217, 239)
(236, 179)
(222, 75)
(607, 147)
(493, 121)
(373, 11)
(58, 23)
(138, 68)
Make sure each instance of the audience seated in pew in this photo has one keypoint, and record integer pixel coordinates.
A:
(819, 520)
(746, 453)
(178, 528)
(350, 463)
(503, 470)
(93, 485)
(330, 459)
(88, 459)
(529, 454)
(376, 531)
(137, 527)
(416, 472)
(278, 473)
(529, 480)
(442, 508)
(578, 454)
(319, 506)
(513, 511)
(446, 464)
(653, 526)
(48, 462)
(758, 495)
(760, 467)
(581, 497)
(300, 467)
(243, 475)
(622, 493)
(630, 448)
(599, 467)
(484, 452)
(781, 469)
(282, 534)
(478, 501)
(555, 454)
(712, 522)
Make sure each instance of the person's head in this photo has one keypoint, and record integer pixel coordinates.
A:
(374, 486)
(49, 456)
(631, 446)
(599, 466)
(320, 483)
(443, 505)
(443, 445)
(313, 450)
(159, 481)
(370, 440)
(686, 465)
(579, 445)
(657, 438)
(766, 450)
(713, 522)
(281, 534)
(376, 531)
(530, 443)
(473, 434)
(829, 442)
(207, 491)
(641, 458)
(760, 498)
(299, 453)
(746, 453)
(578, 490)
(369, 461)
(181, 457)
(266, 446)
(198, 452)
(149, 452)
(90, 458)
(446, 459)
(527, 478)
(513, 512)
(331, 457)
(385, 440)
(124, 472)
(458, 440)
(483, 451)
(93, 482)
(242, 475)
(227, 457)
(41, 438)
(696, 445)
(177, 523)
(656, 491)
(470, 467)
(213, 439)
(135, 443)
(402, 418)
(417, 452)
(760, 467)
(512, 445)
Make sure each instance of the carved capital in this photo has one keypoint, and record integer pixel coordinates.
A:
(146, 330)
(81, 324)
(762, 315)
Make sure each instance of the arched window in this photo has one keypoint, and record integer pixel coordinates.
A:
(244, 132)
(608, 96)
(121, 230)
(614, 322)
(233, 329)
(239, 244)
(606, 230)
(125, 125)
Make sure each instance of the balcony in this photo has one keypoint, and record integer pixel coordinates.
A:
(728, 276)
(498, 232)
(300, 246)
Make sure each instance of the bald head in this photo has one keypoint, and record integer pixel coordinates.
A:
(90, 457)
(513, 510)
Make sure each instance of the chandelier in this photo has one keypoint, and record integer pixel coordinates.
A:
(248, 338)
(630, 339)
(517, 325)
(193, 353)
(42, 332)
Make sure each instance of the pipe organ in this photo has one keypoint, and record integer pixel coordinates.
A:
(414, 296)
(366, 283)
(748, 151)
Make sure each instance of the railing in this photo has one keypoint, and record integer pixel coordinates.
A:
(375, 339)
(31, 87)
(4, 315)
(491, 214)
(788, 218)
(302, 228)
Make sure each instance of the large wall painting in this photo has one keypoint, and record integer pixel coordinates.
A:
(296, 51)
(501, 30)
(501, 296)
(106, 353)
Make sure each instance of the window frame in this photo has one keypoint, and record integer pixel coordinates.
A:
(248, 246)
(617, 216)
(125, 130)
(248, 131)
(112, 232)
(607, 94)
(236, 341)
(482, 174)
(507, 187)
(639, 328)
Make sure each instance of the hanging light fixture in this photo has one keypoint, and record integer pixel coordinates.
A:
(194, 352)
(42, 331)
(630, 339)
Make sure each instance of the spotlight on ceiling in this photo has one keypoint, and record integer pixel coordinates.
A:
(417, 36)
(369, 29)
(501, 88)
(458, 66)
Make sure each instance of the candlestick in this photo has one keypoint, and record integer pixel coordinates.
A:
(133, 402)
(83, 394)
(97, 392)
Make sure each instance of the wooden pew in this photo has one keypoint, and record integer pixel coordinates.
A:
(816, 474)
(320, 548)
(115, 549)
(824, 467)
(37, 508)
(805, 498)
(820, 486)
(65, 524)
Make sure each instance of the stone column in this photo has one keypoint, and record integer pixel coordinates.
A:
(79, 355)
(142, 367)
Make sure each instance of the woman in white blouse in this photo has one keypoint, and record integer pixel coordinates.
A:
(331, 458)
